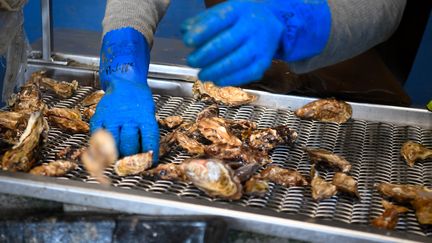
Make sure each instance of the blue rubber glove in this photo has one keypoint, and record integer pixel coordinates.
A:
(236, 41)
(127, 109)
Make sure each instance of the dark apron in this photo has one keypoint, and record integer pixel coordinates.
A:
(376, 76)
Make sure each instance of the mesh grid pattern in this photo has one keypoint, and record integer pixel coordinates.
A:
(373, 148)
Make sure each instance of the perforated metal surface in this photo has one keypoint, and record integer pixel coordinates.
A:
(372, 148)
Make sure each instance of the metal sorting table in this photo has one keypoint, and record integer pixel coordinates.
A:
(371, 142)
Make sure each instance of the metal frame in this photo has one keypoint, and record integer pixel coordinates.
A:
(47, 35)
(141, 202)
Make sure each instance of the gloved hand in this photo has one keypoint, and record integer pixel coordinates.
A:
(127, 109)
(236, 41)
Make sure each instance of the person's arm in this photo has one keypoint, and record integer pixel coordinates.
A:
(356, 27)
(127, 109)
(235, 41)
(141, 15)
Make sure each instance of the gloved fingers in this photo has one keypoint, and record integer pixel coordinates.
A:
(197, 30)
(253, 72)
(240, 58)
(219, 46)
(150, 139)
(129, 139)
(114, 129)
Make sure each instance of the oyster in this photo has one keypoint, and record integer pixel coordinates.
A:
(88, 112)
(284, 177)
(12, 120)
(235, 153)
(389, 218)
(208, 112)
(100, 154)
(68, 120)
(168, 171)
(241, 128)
(326, 110)
(170, 121)
(166, 142)
(69, 153)
(213, 177)
(189, 144)
(319, 156)
(72, 114)
(412, 152)
(267, 139)
(93, 99)
(321, 189)
(215, 129)
(230, 96)
(89, 103)
(61, 89)
(54, 168)
(22, 156)
(28, 99)
(246, 171)
(134, 164)
(256, 187)
(346, 184)
(420, 198)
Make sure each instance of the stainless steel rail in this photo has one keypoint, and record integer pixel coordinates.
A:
(371, 141)
(47, 37)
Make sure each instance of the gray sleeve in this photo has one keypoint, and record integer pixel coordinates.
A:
(142, 15)
(357, 25)
(12, 5)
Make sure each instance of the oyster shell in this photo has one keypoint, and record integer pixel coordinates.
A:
(134, 164)
(215, 129)
(100, 154)
(267, 139)
(93, 99)
(22, 156)
(13, 120)
(170, 121)
(346, 184)
(208, 112)
(256, 187)
(72, 114)
(189, 144)
(321, 189)
(246, 171)
(213, 177)
(326, 110)
(319, 156)
(412, 152)
(54, 168)
(168, 171)
(390, 217)
(28, 99)
(230, 96)
(241, 128)
(61, 89)
(420, 198)
(71, 152)
(235, 153)
(68, 120)
(284, 177)
(88, 112)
